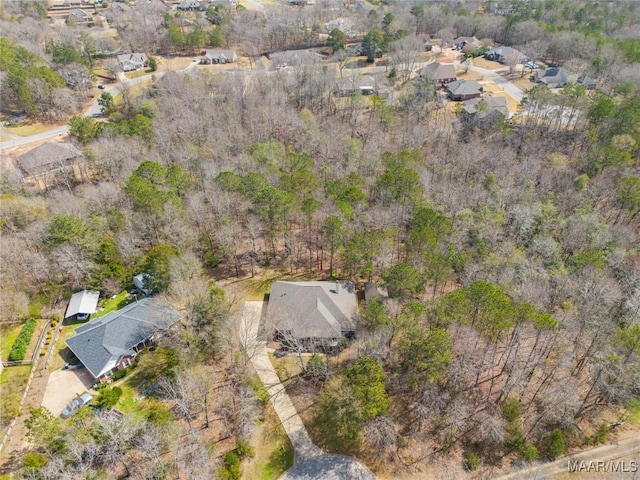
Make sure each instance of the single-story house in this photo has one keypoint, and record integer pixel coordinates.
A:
(353, 84)
(187, 5)
(50, 164)
(484, 112)
(312, 314)
(467, 44)
(109, 343)
(82, 304)
(552, 77)
(505, 54)
(462, 90)
(218, 56)
(586, 81)
(439, 73)
(132, 61)
(79, 15)
(290, 58)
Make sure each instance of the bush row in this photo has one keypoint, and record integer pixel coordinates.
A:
(19, 348)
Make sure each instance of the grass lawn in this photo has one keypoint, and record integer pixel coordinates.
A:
(27, 130)
(8, 335)
(12, 383)
(274, 453)
(137, 73)
(111, 304)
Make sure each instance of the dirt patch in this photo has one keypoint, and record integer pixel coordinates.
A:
(470, 75)
(484, 63)
(523, 83)
(173, 63)
(63, 386)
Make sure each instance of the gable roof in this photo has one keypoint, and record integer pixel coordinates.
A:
(586, 81)
(505, 52)
(357, 82)
(221, 54)
(464, 87)
(100, 343)
(438, 71)
(553, 76)
(85, 302)
(47, 156)
(132, 58)
(493, 104)
(312, 309)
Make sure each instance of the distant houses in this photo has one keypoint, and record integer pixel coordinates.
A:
(356, 84)
(218, 56)
(51, 164)
(439, 73)
(505, 54)
(552, 77)
(132, 61)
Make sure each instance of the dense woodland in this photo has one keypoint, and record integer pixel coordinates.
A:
(510, 253)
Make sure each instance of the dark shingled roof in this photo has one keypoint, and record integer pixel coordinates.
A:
(100, 343)
(47, 157)
(312, 309)
(438, 71)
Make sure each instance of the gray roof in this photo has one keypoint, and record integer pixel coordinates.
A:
(553, 76)
(46, 157)
(586, 81)
(85, 302)
(133, 58)
(100, 343)
(493, 104)
(505, 52)
(464, 87)
(312, 309)
(438, 71)
(225, 54)
(357, 82)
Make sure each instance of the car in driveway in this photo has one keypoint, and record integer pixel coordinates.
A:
(75, 404)
(531, 65)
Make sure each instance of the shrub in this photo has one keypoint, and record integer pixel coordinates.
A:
(34, 460)
(19, 348)
(120, 374)
(244, 450)
(43, 352)
(471, 461)
(555, 444)
(528, 452)
(109, 397)
(511, 410)
(231, 470)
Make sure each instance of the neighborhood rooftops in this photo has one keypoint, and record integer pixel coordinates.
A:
(464, 89)
(312, 310)
(101, 343)
(83, 303)
(485, 106)
(554, 77)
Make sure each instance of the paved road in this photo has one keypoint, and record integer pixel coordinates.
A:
(605, 453)
(310, 461)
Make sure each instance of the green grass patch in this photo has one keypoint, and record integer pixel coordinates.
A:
(13, 381)
(112, 304)
(634, 411)
(28, 130)
(280, 460)
(19, 347)
(8, 335)
(137, 73)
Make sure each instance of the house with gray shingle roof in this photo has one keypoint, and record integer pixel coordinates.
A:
(132, 61)
(354, 84)
(586, 81)
(503, 54)
(439, 73)
(553, 77)
(218, 56)
(312, 314)
(461, 90)
(50, 164)
(111, 342)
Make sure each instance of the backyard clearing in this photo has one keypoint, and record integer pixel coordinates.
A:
(63, 386)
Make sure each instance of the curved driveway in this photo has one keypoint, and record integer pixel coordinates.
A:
(310, 461)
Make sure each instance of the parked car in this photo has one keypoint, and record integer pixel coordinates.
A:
(101, 87)
(75, 404)
(531, 65)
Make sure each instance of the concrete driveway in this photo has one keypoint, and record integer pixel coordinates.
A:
(63, 386)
